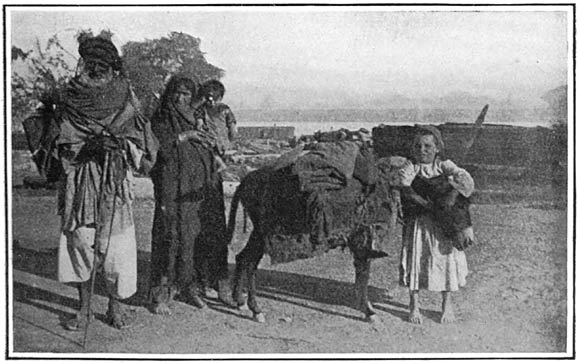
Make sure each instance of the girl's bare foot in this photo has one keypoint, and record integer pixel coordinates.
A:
(447, 310)
(447, 317)
(415, 317)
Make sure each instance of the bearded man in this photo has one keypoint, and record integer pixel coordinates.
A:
(102, 138)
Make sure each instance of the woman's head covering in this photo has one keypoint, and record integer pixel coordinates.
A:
(431, 130)
(99, 49)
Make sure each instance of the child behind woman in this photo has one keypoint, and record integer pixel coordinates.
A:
(219, 121)
(430, 258)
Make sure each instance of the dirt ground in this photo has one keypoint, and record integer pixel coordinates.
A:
(515, 300)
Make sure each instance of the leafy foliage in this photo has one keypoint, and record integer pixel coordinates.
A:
(150, 63)
(37, 73)
(18, 53)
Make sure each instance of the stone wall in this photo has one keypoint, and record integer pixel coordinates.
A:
(494, 145)
(275, 132)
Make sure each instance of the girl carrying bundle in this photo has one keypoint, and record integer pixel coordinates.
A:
(437, 225)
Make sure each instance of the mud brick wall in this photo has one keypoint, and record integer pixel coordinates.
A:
(275, 133)
(495, 144)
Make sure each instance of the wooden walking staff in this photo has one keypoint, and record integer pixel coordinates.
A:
(97, 242)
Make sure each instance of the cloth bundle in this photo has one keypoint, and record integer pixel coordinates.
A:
(452, 220)
(320, 193)
(310, 224)
(329, 164)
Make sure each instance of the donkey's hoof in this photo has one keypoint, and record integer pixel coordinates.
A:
(368, 309)
(259, 317)
(373, 319)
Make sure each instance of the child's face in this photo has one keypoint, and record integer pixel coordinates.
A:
(425, 149)
(212, 97)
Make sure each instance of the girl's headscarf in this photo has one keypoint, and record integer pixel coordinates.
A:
(431, 130)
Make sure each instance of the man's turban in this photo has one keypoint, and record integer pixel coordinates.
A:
(101, 50)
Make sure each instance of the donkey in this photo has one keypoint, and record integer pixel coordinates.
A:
(363, 219)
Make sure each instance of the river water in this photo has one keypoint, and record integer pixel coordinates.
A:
(307, 122)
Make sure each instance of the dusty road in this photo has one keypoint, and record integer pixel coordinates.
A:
(515, 300)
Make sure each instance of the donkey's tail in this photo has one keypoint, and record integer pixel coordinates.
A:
(233, 214)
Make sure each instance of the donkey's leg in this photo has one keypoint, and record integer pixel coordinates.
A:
(244, 265)
(362, 266)
(241, 270)
(255, 255)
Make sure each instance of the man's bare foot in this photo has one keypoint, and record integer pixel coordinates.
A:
(415, 317)
(162, 309)
(78, 322)
(118, 318)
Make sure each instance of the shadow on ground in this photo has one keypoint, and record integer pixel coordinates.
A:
(314, 293)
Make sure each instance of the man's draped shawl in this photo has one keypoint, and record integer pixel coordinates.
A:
(83, 113)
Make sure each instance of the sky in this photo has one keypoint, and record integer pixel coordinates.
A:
(324, 57)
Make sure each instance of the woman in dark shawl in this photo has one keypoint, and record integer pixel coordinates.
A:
(189, 224)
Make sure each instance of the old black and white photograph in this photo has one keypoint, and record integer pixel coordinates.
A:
(289, 181)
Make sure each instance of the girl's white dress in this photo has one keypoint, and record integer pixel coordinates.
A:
(428, 259)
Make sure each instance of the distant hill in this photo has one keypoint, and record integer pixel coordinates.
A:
(310, 97)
